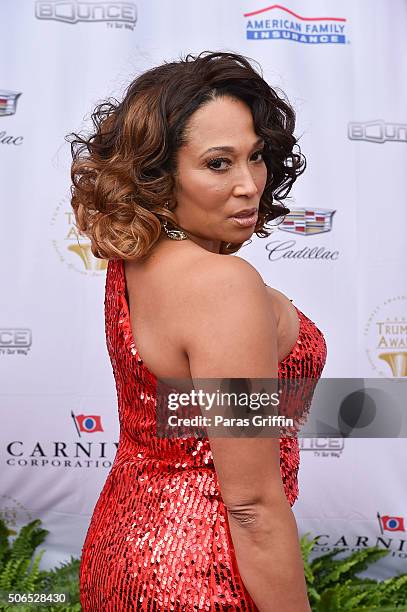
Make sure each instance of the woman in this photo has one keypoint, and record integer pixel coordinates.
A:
(180, 173)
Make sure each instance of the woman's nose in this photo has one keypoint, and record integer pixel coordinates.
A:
(245, 183)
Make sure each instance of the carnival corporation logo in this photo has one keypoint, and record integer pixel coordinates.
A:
(87, 423)
(305, 222)
(388, 525)
(377, 131)
(279, 22)
(72, 248)
(83, 453)
(116, 14)
(386, 338)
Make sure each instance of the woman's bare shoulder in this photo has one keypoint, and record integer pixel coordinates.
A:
(213, 283)
(214, 269)
(191, 275)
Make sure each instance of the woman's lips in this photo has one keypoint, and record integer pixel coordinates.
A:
(246, 221)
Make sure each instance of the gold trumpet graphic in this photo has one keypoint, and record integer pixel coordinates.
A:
(397, 362)
(85, 253)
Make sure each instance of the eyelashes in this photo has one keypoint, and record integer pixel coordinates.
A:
(216, 160)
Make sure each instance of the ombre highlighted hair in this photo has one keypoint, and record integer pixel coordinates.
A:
(125, 170)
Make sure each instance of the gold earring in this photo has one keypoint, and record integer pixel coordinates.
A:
(174, 234)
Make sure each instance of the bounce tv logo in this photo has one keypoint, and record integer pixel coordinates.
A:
(278, 22)
(323, 447)
(377, 131)
(115, 14)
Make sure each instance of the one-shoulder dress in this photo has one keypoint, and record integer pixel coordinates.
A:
(159, 539)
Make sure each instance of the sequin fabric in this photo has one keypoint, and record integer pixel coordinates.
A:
(159, 539)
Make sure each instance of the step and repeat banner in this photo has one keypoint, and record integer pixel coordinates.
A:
(340, 254)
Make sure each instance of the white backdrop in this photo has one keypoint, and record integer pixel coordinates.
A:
(343, 66)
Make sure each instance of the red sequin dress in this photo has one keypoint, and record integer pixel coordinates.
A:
(159, 538)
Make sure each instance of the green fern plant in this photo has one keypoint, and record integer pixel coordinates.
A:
(19, 570)
(334, 586)
(65, 579)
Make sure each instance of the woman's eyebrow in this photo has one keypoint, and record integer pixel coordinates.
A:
(229, 149)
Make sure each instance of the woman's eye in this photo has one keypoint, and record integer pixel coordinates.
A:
(260, 152)
(214, 164)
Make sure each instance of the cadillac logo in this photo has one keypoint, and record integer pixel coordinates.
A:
(8, 102)
(308, 221)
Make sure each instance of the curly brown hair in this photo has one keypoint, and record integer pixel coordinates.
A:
(125, 171)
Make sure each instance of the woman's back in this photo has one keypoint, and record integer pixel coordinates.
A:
(159, 536)
(159, 313)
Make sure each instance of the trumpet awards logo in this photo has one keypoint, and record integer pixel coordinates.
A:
(386, 336)
(14, 514)
(72, 248)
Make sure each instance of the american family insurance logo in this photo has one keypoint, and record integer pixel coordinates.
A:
(278, 22)
(121, 14)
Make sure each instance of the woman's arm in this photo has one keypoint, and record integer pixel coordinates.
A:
(268, 555)
(231, 332)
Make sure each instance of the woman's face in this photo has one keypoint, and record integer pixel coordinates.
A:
(221, 174)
